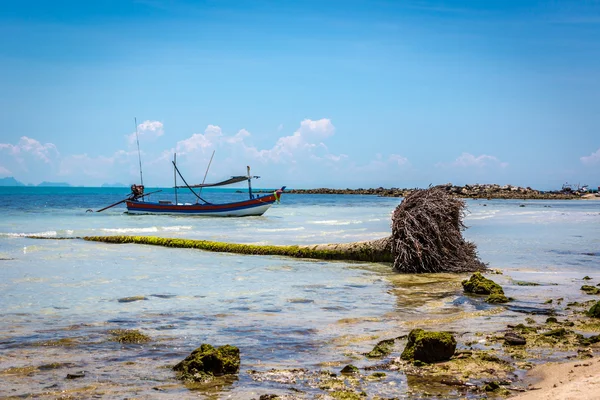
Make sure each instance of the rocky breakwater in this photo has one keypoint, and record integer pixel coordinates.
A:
(477, 191)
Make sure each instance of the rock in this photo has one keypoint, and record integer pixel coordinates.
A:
(132, 299)
(551, 320)
(206, 362)
(589, 340)
(381, 349)
(429, 346)
(497, 298)
(590, 289)
(76, 375)
(514, 339)
(349, 369)
(594, 311)
(478, 284)
(128, 336)
(556, 332)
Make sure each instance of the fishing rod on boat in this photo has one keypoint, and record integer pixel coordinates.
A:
(132, 196)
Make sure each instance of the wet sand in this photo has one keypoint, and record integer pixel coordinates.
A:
(573, 380)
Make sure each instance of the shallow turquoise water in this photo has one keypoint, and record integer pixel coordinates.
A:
(282, 313)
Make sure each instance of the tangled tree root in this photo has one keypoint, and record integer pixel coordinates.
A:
(427, 234)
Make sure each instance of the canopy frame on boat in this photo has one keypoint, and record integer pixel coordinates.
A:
(230, 181)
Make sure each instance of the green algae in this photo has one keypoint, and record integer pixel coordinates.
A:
(20, 371)
(63, 342)
(594, 311)
(523, 283)
(429, 346)
(347, 395)
(381, 349)
(356, 251)
(128, 336)
(206, 362)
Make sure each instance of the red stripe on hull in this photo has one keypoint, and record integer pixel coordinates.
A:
(201, 207)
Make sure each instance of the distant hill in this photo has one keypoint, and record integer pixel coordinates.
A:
(10, 181)
(54, 184)
(107, 185)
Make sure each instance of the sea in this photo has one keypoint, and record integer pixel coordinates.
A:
(60, 299)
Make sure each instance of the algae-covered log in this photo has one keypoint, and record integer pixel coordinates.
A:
(373, 251)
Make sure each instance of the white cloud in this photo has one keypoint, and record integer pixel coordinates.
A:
(238, 137)
(592, 159)
(26, 145)
(398, 159)
(147, 129)
(305, 140)
(470, 160)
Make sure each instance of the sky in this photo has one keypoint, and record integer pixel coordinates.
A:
(325, 93)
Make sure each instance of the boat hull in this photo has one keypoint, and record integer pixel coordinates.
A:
(253, 207)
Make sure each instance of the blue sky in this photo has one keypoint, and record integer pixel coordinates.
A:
(309, 93)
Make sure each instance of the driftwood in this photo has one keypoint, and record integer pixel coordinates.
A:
(426, 237)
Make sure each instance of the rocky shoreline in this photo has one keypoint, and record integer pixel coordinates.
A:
(477, 191)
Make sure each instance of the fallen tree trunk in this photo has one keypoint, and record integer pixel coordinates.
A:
(371, 251)
(426, 237)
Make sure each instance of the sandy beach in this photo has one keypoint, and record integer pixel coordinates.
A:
(573, 380)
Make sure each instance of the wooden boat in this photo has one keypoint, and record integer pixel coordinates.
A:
(254, 206)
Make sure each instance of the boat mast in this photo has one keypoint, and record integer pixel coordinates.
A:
(138, 146)
(249, 183)
(175, 176)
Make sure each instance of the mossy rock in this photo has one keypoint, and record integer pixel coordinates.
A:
(594, 311)
(206, 362)
(429, 346)
(349, 369)
(128, 336)
(588, 289)
(560, 332)
(347, 395)
(497, 298)
(590, 340)
(382, 349)
(478, 284)
(525, 329)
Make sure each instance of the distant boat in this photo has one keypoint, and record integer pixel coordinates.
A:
(254, 206)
